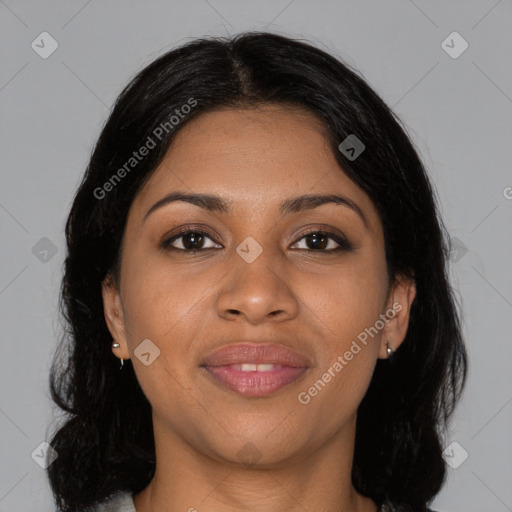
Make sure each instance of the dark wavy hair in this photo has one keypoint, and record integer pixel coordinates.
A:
(105, 443)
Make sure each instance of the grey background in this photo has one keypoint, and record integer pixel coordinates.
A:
(457, 111)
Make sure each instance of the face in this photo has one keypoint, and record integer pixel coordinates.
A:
(245, 270)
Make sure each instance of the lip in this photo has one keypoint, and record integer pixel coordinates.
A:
(223, 366)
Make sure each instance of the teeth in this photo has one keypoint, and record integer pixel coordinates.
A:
(251, 367)
(265, 367)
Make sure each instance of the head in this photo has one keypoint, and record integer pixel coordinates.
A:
(246, 128)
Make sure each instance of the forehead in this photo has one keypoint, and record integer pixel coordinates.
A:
(255, 157)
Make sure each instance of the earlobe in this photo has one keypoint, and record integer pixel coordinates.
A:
(398, 310)
(114, 317)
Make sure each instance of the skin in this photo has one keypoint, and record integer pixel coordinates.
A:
(313, 302)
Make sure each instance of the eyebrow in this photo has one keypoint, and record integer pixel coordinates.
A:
(288, 206)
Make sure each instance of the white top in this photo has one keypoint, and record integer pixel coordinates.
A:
(119, 502)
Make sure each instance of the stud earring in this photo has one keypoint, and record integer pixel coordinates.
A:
(116, 345)
(389, 350)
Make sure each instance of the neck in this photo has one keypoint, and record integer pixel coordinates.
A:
(189, 480)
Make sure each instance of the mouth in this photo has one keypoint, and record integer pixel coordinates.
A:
(255, 370)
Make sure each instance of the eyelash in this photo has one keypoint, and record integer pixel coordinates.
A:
(343, 244)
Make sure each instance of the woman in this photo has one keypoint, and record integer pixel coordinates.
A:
(257, 243)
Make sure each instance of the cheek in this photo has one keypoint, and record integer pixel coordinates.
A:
(163, 306)
(161, 300)
(335, 392)
(351, 303)
(347, 299)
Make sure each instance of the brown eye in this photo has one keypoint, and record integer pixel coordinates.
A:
(324, 241)
(189, 241)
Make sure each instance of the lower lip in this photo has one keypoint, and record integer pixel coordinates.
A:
(255, 384)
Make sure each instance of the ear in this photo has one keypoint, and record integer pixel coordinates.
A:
(114, 316)
(398, 307)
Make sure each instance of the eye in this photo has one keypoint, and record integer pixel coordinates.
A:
(194, 240)
(189, 241)
(324, 241)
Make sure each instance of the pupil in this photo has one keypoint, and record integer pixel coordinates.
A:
(190, 240)
(317, 237)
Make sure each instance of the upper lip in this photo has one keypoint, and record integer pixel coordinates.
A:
(256, 353)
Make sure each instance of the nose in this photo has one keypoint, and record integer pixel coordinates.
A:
(258, 291)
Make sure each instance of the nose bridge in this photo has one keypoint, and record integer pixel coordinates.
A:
(256, 286)
(253, 262)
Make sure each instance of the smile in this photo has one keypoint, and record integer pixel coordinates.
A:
(255, 369)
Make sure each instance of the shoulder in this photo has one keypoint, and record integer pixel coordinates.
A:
(122, 501)
(387, 507)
